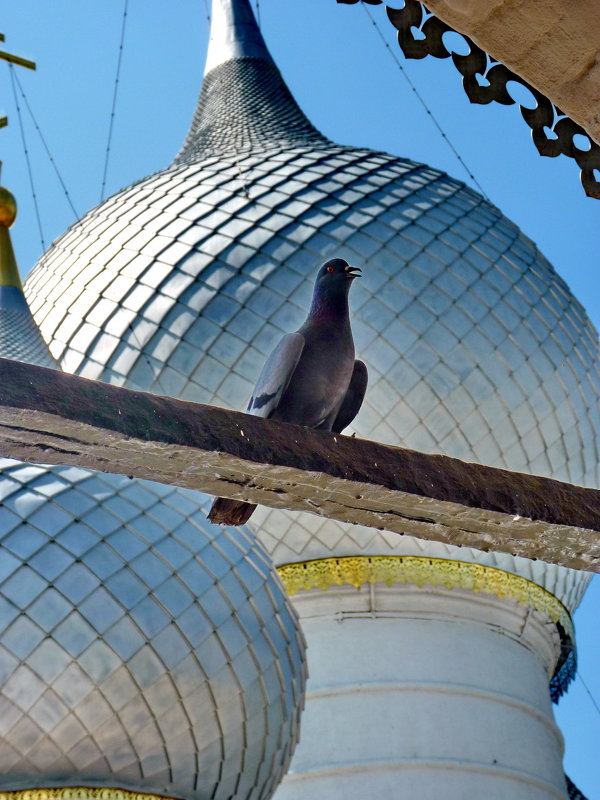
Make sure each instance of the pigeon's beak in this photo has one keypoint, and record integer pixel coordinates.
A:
(353, 272)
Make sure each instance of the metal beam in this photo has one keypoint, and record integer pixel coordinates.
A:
(52, 418)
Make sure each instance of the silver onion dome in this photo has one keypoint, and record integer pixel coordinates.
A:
(137, 650)
(141, 648)
(182, 283)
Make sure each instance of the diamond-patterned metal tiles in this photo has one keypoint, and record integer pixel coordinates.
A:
(138, 649)
(241, 89)
(458, 311)
(182, 283)
(20, 338)
(475, 347)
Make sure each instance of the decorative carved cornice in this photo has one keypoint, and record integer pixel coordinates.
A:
(485, 80)
(78, 793)
(324, 573)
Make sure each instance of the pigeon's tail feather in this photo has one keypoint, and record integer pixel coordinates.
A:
(230, 512)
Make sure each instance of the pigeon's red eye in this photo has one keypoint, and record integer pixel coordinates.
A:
(330, 269)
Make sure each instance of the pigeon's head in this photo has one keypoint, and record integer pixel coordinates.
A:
(336, 275)
(330, 297)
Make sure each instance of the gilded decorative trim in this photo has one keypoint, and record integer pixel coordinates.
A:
(323, 573)
(78, 793)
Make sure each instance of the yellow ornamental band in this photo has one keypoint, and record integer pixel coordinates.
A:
(78, 793)
(323, 573)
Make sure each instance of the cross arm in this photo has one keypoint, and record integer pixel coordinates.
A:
(50, 417)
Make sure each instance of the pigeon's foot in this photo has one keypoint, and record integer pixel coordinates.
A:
(230, 512)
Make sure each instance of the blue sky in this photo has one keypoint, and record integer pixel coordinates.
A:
(347, 83)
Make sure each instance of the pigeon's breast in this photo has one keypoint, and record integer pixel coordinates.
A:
(319, 383)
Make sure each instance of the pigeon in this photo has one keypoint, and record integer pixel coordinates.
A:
(311, 378)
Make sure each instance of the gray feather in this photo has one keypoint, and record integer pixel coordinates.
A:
(353, 399)
(275, 376)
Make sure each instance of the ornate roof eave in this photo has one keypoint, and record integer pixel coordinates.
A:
(485, 80)
(550, 44)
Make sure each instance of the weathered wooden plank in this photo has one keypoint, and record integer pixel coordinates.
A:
(53, 418)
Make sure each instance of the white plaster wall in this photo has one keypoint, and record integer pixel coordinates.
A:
(425, 693)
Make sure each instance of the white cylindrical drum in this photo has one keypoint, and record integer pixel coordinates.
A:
(428, 691)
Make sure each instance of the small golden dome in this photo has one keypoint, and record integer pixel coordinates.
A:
(8, 207)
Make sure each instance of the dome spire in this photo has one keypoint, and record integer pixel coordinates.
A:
(244, 103)
(233, 34)
(20, 338)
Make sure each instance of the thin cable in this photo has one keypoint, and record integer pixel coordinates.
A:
(114, 100)
(423, 103)
(47, 149)
(591, 696)
(28, 162)
(258, 13)
(207, 11)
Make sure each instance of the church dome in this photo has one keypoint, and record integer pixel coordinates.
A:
(138, 650)
(141, 648)
(182, 283)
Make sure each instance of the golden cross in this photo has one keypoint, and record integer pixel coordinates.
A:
(20, 62)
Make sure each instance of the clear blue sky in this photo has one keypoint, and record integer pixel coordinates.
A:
(349, 86)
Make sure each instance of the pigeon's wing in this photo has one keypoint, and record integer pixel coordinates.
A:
(354, 397)
(276, 375)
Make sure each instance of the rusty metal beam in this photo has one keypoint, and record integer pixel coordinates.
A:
(52, 418)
